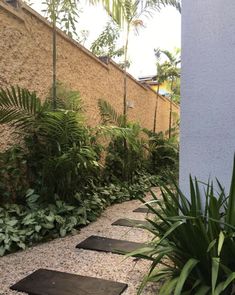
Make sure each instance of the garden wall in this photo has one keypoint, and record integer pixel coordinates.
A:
(26, 60)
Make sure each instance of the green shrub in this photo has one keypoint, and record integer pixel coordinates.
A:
(26, 225)
(123, 159)
(163, 154)
(37, 221)
(194, 240)
(13, 175)
(125, 153)
(60, 155)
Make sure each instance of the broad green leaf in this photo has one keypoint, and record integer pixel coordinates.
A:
(211, 245)
(38, 228)
(203, 290)
(168, 287)
(220, 242)
(223, 285)
(230, 217)
(215, 271)
(12, 222)
(62, 232)
(2, 251)
(185, 272)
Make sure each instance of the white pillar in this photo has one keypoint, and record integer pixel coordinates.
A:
(208, 90)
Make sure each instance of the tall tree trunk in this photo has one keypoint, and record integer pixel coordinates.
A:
(125, 75)
(171, 105)
(125, 164)
(170, 117)
(156, 109)
(54, 55)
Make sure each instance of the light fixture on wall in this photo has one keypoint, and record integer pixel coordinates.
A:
(130, 104)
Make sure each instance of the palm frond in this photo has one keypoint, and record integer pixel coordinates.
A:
(109, 115)
(19, 107)
(61, 127)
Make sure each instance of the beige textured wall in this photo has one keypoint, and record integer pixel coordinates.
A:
(25, 60)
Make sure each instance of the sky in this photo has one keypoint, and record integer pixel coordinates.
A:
(162, 30)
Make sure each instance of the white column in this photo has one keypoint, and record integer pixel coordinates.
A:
(208, 90)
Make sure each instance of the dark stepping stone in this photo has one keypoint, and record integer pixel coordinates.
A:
(142, 210)
(130, 222)
(49, 282)
(109, 245)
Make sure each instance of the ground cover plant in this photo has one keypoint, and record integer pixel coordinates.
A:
(55, 180)
(194, 240)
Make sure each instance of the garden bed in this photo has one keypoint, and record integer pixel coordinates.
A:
(61, 254)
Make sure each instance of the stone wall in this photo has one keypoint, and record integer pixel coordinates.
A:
(26, 60)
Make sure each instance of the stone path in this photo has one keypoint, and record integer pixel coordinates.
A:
(61, 254)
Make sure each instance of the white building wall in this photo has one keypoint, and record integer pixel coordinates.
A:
(208, 90)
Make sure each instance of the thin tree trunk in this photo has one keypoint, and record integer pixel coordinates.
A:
(125, 164)
(54, 54)
(170, 118)
(125, 75)
(171, 104)
(156, 109)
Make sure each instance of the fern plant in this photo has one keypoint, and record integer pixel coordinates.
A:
(59, 155)
(20, 108)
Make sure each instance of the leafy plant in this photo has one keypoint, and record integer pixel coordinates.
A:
(193, 240)
(23, 226)
(105, 45)
(34, 221)
(60, 153)
(20, 108)
(65, 13)
(129, 14)
(125, 152)
(13, 175)
(168, 71)
(163, 155)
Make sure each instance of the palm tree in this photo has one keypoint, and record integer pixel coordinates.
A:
(65, 13)
(129, 14)
(173, 73)
(161, 77)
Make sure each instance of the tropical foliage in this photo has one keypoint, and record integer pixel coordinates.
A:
(58, 180)
(125, 152)
(163, 156)
(169, 72)
(106, 44)
(133, 148)
(193, 239)
(129, 14)
(58, 153)
(35, 221)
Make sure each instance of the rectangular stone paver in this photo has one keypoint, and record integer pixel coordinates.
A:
(50, 282)
(102, 244)
(130, 222)
(142, 210)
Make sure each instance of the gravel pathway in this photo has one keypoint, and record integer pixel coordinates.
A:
(61, 254)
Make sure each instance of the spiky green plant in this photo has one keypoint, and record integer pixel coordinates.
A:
(194, 240)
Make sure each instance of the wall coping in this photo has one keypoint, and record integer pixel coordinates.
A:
(28, 9)
(69, 39)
